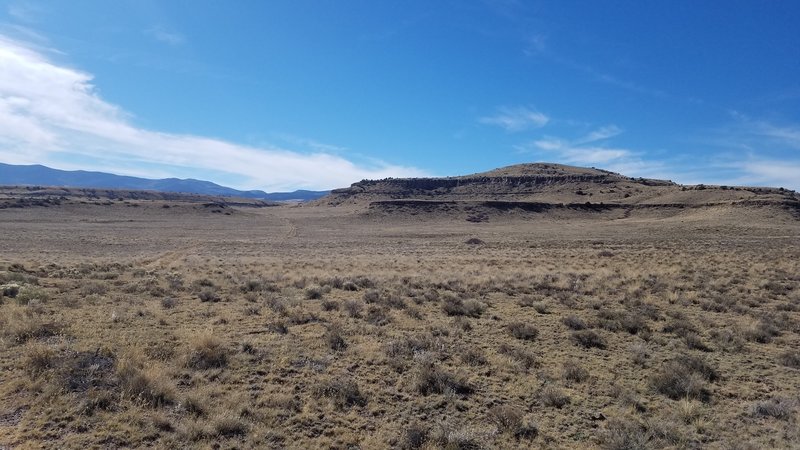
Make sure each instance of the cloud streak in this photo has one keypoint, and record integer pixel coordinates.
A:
(168, 37)
(589, 150)
(757, 151)
(52, 114)
(516, 119)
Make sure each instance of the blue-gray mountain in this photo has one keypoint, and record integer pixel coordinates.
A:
(18, 175)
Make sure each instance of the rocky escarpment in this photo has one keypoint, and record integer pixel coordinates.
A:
(515, 183)
(412, 186)
(552, 189)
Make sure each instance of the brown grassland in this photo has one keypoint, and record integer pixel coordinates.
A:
(170, 324)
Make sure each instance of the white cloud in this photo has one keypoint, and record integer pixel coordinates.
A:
(516, 119)
(600, 134)
(50, 113)
(753, 170)
(550, 144)
(787, 173)
(585, 151)
(311, 144)
(575, 153)
(595, 155)
(750, 133)
(756, 151)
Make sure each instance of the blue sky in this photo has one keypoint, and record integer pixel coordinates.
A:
(319, 94)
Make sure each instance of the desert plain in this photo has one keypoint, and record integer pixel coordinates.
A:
(536, 307)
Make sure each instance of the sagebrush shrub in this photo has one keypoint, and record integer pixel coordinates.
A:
(574, 372)
(335, 338)
(790, 358)
(434, 380)
(685, 376)
(343, 392)
(574, 322)
(455, 306)
(508, 419)
(778, 408)
(523, 331)
(589, 339)
(554, 397)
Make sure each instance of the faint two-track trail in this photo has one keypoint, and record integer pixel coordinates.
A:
(171, 258)
(292, 228)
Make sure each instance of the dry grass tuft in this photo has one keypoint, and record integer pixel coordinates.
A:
(626, 435)
(510, 420)
(207, 351)
(343, 392)
(523, 356)
(148, 386)
(335, 339)
(23, 324)
(228, 426)
(38, 358)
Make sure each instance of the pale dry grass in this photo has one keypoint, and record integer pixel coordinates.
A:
(352, 332)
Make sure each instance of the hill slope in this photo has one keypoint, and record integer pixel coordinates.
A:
(544, 187)
(41, 175)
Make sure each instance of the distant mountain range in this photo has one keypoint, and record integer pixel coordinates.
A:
(18, 175)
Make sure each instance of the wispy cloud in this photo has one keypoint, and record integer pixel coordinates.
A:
(771, 172)
(786, 134)
(163, 35)
(754, 135)
(52, 114)
(310, 144)
(574, 152)
(589, 150)
(535, 45)
(756, 151)
(612, 80)
(600, 134)
(515, 119)
(750, 169)
(25, 11)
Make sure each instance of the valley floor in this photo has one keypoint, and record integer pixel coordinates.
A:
(152, 324)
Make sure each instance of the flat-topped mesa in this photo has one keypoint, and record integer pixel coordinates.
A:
(554, 184)
(514, 180)
(547, 169)
(431, 184)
